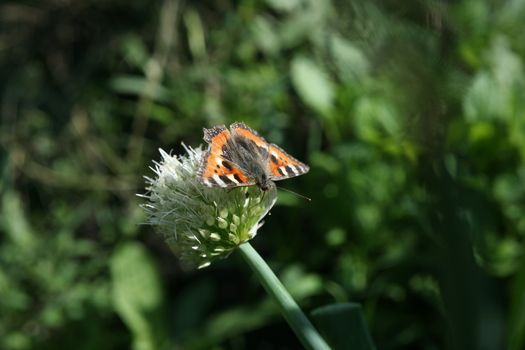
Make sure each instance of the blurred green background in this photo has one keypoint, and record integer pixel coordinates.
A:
(411, 115)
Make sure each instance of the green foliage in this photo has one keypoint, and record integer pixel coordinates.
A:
(343, 326)
(410, 114)
(312, 85)
(136, 293)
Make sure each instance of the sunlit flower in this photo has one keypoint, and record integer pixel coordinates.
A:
(201, 224)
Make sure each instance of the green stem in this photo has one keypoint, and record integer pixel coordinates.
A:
(302, 327)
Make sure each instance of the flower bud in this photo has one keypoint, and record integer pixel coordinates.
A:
(201, 224)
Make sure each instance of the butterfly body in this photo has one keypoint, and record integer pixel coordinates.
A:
(240, 157)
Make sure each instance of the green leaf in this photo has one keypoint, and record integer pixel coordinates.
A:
(300, 284)
(14, 221)
(195, 30)
(313, 84)
(264, 36)
(496, 92)
(343, 326)
(285, 6)
(137, 85)
(134, 51)
(377, 118)
(136, 292)
(349, 60)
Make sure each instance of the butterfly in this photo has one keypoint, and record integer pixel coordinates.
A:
(240, 157)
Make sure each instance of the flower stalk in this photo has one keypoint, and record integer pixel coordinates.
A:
(297, 320)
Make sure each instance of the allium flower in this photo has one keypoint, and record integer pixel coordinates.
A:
(201, 224)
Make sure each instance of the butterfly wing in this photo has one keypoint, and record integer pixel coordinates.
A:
(248, 133)
(283, 166)
(280, 164)
(216, 170)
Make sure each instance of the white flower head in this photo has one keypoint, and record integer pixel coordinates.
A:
(201, 224)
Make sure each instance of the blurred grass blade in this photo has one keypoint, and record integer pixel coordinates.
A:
(343, 326)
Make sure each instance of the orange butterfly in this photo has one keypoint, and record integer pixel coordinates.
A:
(240, 157)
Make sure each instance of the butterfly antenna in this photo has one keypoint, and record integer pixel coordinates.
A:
(297, 194)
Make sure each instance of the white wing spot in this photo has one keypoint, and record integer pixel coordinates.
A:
(232, 178)
(219, 181)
